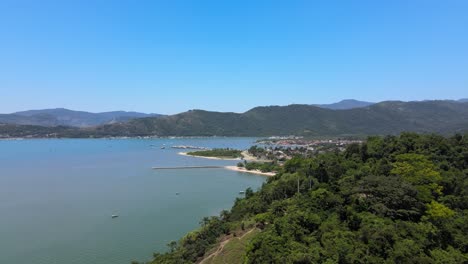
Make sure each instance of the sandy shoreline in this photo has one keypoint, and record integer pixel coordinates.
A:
(234, 168)
(258, 172)
(212, 158)
(246, 156)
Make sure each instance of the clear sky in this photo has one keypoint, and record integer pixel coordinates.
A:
(171, 56)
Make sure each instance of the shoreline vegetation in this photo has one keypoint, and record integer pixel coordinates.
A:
(264, 167)
(206, 157)
(222, 153)
(395, 199)
(254, 166)
(233, 168)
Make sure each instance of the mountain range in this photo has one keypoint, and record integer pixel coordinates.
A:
(352, 103)
(66, 117)
(345, 104)
(389, 117)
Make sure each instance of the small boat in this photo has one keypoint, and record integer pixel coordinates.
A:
(177, 193)
(163, 147)
(241, 192)
(114, 216)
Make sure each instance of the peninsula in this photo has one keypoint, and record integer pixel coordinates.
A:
(218, 153)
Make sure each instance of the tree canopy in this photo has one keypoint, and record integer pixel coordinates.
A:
(393, 199)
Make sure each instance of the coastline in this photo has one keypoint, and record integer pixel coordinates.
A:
(246, 156)
(258, 172)
(203, 157)
(232, 168)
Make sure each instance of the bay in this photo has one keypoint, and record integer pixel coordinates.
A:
(57, 197)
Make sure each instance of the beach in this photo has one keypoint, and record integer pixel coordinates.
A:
(258, 172)
(247, 157)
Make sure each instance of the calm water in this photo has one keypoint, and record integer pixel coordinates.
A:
(57, 196)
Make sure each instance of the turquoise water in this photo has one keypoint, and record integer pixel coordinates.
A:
(57, 196)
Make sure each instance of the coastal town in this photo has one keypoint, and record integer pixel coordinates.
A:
(269, 155)
(284, 148)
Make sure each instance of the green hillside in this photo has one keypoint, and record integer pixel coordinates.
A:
(382, 118)
(391, 117)
(394, 199)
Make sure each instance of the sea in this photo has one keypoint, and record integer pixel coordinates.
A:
(57, 197)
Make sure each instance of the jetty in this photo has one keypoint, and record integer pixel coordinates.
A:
(187, 167)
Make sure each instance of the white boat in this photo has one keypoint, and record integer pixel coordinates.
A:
(241, 192)
(114, 216)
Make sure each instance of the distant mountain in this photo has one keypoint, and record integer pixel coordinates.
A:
(464, 100)
(39, 120)
(66, 117)
(345, 104)
(390, 117)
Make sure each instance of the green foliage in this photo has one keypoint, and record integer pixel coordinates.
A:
(437, 210)
(194, 244)
(420, 172)
(219, 153)
(256, 151)
(262, 166)
(234, 250)
(392, 200)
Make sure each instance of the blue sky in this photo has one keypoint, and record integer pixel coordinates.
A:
(171, 56)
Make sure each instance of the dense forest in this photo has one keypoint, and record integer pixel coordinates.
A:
(393, 199)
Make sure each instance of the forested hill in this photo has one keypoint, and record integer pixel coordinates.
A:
(394, 199)
(381, 118)
(345, 104)
(66, 117)
(391, 117)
